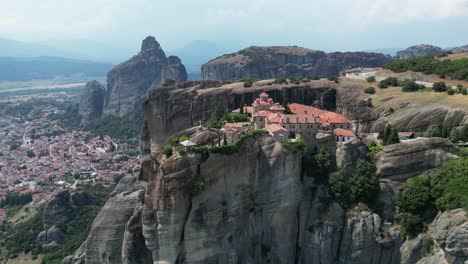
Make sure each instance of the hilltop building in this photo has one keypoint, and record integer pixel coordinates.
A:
(303, 120)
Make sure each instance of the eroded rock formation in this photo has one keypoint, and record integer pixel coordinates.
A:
(92, 102)
(419, 50)
(128, 82)
(405, 160)
(282, 61)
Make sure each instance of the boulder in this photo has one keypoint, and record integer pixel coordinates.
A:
(106, 237)
(50, 247)
(128, 82)
(92, 102)
(405, 160)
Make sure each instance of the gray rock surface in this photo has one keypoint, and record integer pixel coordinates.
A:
(449, 231)
(283, 61)
(348, 154)
(415, 249)
(128, 82)
(405, 160)
(60, 209)
(92, 102)
(419, 50)
(446, 241)
(105, 240)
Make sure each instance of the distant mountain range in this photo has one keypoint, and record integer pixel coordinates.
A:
(36, 68)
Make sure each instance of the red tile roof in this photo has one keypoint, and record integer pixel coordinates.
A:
(275, 128)
(343, 132)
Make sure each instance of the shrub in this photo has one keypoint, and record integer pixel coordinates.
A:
(182, 151)
(340, 189)
(198, 183)
(439, 87)
(464, 91)
(370, 90)
(167, 150)
(371, 79)
(293, 146)
(389, 81)
(450, 91)
(235, 117)
(410, 225)
(411, 86)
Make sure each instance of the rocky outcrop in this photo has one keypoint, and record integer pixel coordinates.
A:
(348, 154)
(405, 160)
(128, 82)
(446, 241)
(61, 209)
(92, 102)
(282, 61)
(174, 109)
(419, 50)
(368, 118)
(107, 236)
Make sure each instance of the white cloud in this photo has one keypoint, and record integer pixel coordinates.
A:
(382, 12)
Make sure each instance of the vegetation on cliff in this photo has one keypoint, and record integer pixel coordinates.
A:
(443, 189)
(455, 69)
(21, 238)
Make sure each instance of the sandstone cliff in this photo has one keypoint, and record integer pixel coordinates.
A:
(277, 61)
(128, 82)
(419, 50)
(92, 102)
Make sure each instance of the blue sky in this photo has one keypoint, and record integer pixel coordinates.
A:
(327, 25)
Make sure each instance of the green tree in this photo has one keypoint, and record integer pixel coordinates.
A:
(371, 79)
(31, 153)
(216, 118)
(439, 87)
(167, 150)
(320, 165)
(287, 110)
(339, 187)
(241, 106)
(364, 183)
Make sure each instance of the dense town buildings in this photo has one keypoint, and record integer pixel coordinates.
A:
(39, 157)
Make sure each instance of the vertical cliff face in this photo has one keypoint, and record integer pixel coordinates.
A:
(247, 212)
(92, 102)
(282, 61)
(128, 82)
